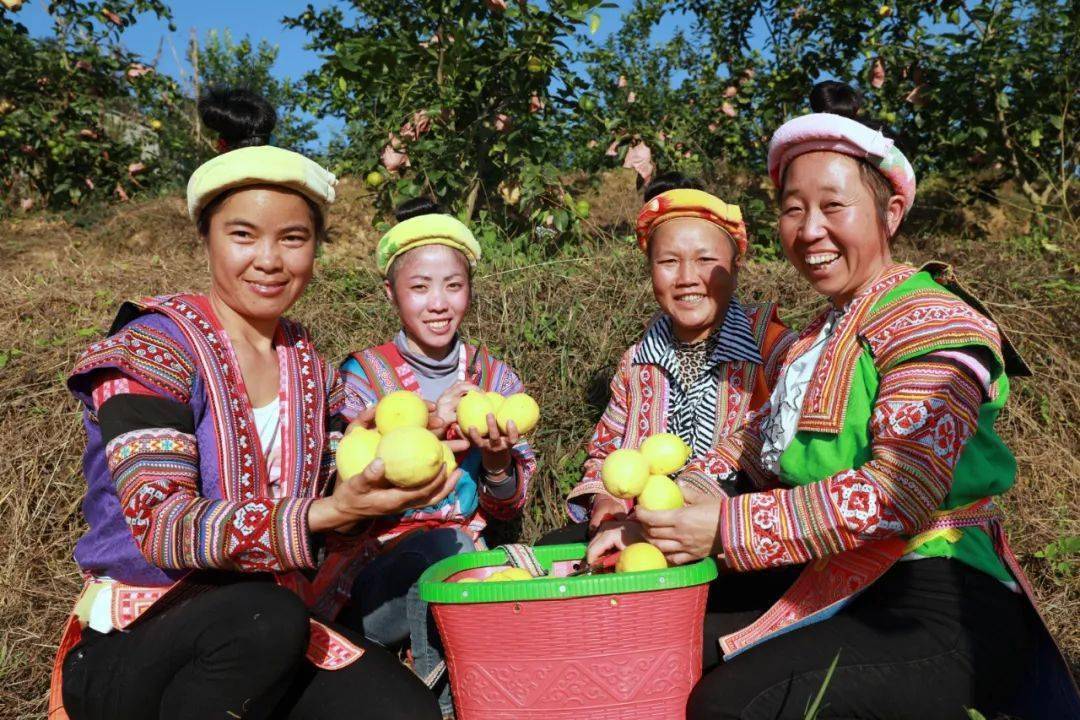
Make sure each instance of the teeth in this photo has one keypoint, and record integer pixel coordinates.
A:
(692, 299)
(818, 259)
(438, 324)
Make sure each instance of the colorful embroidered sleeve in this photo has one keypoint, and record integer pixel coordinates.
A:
(606, 438)
(500, 504)
(147, 352)
(360, 394)
(152, 454)
(925, 411)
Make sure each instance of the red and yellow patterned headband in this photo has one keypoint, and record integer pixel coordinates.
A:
(684, 202)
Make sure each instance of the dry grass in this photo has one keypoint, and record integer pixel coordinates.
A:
(562, 324)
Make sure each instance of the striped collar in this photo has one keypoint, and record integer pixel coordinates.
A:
(734, 340)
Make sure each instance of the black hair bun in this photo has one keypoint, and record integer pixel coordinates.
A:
(837, 98)
(671, 180)
(240, 117)
(418, 206)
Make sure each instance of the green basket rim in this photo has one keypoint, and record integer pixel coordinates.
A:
(433, 589)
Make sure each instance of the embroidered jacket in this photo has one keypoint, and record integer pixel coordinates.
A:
(895, 451)
(176, 482)
(377, 371)
(647, 397)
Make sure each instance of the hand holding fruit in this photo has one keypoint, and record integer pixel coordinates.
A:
(446, 407)
(605, 509)
(370, 495)
(686, 534)
(396, 433)
(612, 536)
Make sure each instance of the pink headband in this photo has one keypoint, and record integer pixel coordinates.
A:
(836, 133)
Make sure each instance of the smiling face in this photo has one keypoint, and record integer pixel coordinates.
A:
(429, 288)
(830, 227)
(261, 246)
(693, 266)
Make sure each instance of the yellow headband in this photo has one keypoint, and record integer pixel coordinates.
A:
(685, 202)
(259, 165)
(434, 229)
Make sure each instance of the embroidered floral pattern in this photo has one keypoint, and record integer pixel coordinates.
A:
(924, 414)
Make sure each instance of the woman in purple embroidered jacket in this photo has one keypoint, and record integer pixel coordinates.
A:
(427, 260)
(705, 361)
(875, 463)
(212, 498)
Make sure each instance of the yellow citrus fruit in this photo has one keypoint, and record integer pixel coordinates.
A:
(624, 473)
(472, 412)
(666, 453)
(496, 399)
(448, 458)
(660, 493)
(400, 409)
(496, 577)
(638, 557)
(515, 573)
(468, 579)
(412, 456)
(520, 408)
(356, 451)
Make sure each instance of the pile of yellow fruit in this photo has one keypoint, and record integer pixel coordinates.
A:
(411, 453)
(476, 405)
(643, 473)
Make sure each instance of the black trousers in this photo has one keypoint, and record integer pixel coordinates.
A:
(233, 652)
(928, 639)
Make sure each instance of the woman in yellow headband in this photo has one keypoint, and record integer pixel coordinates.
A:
(427, 260)
(212, 501)
(704, 363)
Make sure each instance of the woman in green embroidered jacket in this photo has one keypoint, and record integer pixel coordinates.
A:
(876, 464)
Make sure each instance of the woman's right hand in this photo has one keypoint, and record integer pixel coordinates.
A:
(369, 495)
(605, 508)
(612, 536)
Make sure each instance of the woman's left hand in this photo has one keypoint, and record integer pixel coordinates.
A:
(687, 534)
(495, 448)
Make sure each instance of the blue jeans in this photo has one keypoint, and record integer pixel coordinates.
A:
(386, 604)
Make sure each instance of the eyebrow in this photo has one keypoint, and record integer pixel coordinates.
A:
(240, 221)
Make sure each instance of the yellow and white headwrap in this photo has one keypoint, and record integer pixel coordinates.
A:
(432, 229)
(259, 165)
(686, 202)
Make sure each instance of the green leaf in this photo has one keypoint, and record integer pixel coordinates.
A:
(4, 357)
(1035, 137)
(594, 23)
(342, 85)
(1057, 122)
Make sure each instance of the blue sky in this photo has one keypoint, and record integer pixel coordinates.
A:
(260, 20)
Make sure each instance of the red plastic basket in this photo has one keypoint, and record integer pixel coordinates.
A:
(618, 647)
